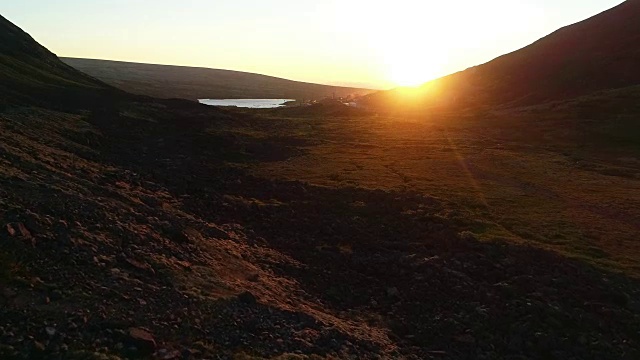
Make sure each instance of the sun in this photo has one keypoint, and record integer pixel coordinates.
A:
(414, 41)
(412, 68)
(404, 38)
(411, 42)
(410, 62)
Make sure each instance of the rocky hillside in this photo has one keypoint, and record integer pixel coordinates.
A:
(130, 228)
(597, 54)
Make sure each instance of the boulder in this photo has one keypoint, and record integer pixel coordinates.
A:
(142, 340)
(247, 298)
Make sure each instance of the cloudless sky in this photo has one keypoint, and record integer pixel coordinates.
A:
(358, 42)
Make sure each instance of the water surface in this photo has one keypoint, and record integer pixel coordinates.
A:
(246, 103)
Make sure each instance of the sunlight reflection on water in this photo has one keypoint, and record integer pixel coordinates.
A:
(246, 103)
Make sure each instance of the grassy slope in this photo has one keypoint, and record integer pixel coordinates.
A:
(200, 83)
(562, 175)
(596, 54)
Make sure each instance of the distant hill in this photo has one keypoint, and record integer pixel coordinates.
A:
(29, 73)
(600, 53)
(165, 81)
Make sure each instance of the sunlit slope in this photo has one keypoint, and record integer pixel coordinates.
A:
(165, 81)
(600, 53)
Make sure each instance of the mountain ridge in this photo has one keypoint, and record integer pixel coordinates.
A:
(193, 83)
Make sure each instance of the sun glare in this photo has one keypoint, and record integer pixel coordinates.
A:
(412, 59)
(413, 68)
(414, 40)
(403, 37)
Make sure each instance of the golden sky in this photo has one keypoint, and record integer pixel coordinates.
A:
(377, 44)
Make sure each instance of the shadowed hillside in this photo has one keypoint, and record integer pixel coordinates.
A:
(29, 73)
(192, 83)
(596, 54)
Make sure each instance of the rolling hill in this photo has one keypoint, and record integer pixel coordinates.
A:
(597, 54)
(164, 81)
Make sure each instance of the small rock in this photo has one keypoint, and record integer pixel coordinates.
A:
(247, 298)
(50, 331)
(35, 223)
(18, 229)
(10, 230)
(38, 346)
(138, 265)
(393, 292)
(142, 340)
(169, 355)
(465, 338)
(468, 235)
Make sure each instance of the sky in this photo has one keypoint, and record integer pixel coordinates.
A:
(378, 44)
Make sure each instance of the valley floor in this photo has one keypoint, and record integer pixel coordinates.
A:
(523, 176)
(162, 229)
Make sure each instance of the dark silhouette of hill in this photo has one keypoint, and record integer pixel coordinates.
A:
(165, 81)
(29, 73)
(599, 53)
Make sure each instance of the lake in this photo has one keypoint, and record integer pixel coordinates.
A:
(246, 103)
